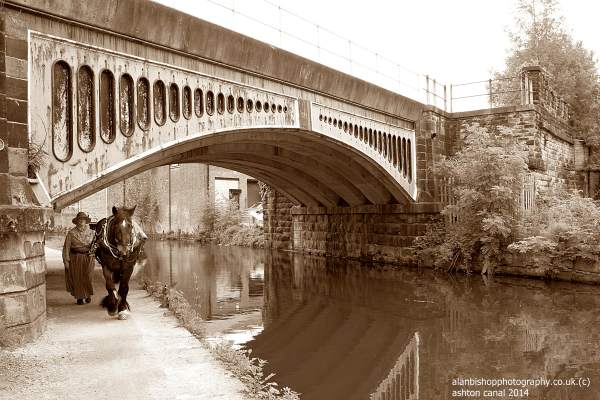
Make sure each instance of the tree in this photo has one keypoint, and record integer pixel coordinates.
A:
(540, 38)
(486, 178)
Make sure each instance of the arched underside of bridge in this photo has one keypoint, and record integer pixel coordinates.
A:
(309, 168)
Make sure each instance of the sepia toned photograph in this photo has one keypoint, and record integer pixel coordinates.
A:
(299, 200)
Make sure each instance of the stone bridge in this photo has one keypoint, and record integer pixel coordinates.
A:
(103, 116)
(110, 89)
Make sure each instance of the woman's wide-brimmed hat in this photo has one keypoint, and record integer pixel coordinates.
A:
(81, 216)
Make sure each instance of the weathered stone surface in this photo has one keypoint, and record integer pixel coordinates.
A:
(16, 276)
(19, 334)
(17, 161)
(23, 219)
(20, 246)
(23, 307)
(16, 68)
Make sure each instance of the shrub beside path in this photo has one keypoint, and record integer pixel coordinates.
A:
(85, 354)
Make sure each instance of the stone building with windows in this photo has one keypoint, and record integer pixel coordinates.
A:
(170, 198)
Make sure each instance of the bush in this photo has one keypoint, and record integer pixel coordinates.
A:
(223, 225)
(566, 226)
(485, 179)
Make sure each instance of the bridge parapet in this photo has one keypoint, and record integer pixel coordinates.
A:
(134, 104)
(392, 146)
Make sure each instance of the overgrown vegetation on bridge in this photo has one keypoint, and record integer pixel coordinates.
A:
(485, 178)
(486, 221)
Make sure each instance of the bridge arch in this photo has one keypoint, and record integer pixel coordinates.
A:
(297, 162)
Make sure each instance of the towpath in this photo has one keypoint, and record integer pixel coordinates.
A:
(85, 354)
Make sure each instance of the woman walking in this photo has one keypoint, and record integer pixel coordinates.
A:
(78, 264)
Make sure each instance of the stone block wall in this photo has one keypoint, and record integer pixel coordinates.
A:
(22, 220)
(550, 152)
(375, 233)
(277, 222)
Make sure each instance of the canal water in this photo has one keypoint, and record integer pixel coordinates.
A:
(339, 329)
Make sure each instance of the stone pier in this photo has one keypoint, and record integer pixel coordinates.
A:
(22, 222)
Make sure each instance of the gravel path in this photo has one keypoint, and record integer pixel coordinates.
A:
(85, 354)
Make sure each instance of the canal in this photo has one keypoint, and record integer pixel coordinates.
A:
(339, 329)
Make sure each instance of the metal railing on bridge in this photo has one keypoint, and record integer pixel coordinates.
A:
(308, 39)
(527, 197)
(476, 95)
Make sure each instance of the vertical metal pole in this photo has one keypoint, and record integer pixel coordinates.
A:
(427, 89)
(490, 89)
(434, 93)
(169, 178)
(124, 183)
(451, 100)
(445, 99)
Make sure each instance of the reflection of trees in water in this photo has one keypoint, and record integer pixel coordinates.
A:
(217, 280)
(317, 307)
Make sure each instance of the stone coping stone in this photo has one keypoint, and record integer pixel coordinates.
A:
(414, 208)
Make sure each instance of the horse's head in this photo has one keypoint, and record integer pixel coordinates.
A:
(121, 230)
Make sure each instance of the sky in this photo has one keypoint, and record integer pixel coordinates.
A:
(394, 44)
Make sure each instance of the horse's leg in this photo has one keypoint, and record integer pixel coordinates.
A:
(110, 301)
(123, 290)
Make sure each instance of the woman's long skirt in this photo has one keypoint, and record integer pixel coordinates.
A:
(79, 275)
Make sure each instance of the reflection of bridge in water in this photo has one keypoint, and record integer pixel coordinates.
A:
(402, 383)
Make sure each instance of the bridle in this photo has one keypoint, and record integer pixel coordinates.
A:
(114, 251)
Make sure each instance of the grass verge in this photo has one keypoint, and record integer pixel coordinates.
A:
(249, 370)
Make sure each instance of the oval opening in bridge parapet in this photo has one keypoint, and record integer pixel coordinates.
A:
(220, 103)
(107, 106)
(395, 151)
(198, 103)
(62, 111)
(408, 157)
(404, 161)
(230, 104)
(143, 103)
(187, 102)
(126, 105)
(86, 110)
(174, 102)
(160, 103)
(210, 103)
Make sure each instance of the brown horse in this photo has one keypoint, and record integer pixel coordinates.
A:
(117, 247)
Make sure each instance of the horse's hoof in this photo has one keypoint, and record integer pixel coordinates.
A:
(112, 313)
(123, 315)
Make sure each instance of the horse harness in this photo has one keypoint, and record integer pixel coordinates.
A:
(102, 238)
